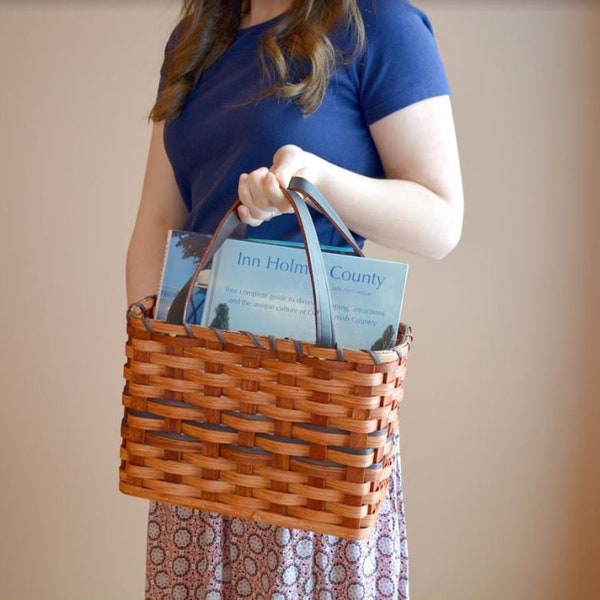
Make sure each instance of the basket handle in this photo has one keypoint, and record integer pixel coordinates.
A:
(299, 187)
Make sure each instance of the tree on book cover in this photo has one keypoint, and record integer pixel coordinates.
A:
(182, 254)
(266, 289)
(221, 319)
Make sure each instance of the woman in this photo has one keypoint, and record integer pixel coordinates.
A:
(352, 95)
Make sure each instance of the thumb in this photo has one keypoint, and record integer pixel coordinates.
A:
(287, 162)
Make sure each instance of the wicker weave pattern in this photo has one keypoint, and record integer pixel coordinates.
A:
(263, 429)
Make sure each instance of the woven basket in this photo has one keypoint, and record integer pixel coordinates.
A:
(288, 433)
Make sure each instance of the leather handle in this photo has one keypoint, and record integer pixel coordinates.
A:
(324, 325)
(299, 189)
(318, 201)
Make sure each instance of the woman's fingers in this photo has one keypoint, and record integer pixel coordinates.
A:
(260, 191)
(261, 197)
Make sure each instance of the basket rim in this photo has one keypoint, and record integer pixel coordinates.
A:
(140, 316)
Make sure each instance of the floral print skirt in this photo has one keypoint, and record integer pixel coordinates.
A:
(194, 555)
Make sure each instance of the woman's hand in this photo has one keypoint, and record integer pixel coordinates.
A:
(260, 191)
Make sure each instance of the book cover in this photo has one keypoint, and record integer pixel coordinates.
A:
(266, 289)
(182, 253)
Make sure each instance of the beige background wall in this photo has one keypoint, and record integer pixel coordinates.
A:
(500, 423)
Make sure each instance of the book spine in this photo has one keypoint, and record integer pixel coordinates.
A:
(205, 318)
(164, 267)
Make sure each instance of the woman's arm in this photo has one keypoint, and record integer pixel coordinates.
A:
(418, 208)
(161, 208)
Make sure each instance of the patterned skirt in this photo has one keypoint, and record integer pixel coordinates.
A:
(194, 555)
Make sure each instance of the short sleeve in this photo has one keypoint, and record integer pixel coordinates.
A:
(172, 40)
(401, 64)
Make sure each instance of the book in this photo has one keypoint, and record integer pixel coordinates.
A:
(266, 289)
(183, 252)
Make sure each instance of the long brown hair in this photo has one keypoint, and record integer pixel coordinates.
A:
(300, 37)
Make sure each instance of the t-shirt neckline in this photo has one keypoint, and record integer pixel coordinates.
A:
(259, 27)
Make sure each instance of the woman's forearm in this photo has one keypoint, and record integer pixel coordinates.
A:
(399, 214)
(161, 208)
(144, 263)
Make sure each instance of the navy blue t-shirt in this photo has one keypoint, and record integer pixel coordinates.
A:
(223, 130)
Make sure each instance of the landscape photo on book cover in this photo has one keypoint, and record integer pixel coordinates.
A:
(266, 289)
(182, 254)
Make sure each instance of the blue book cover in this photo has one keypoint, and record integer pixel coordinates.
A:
(182, 253)
(266, 289)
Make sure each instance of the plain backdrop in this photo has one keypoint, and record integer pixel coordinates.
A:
(500, 420)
